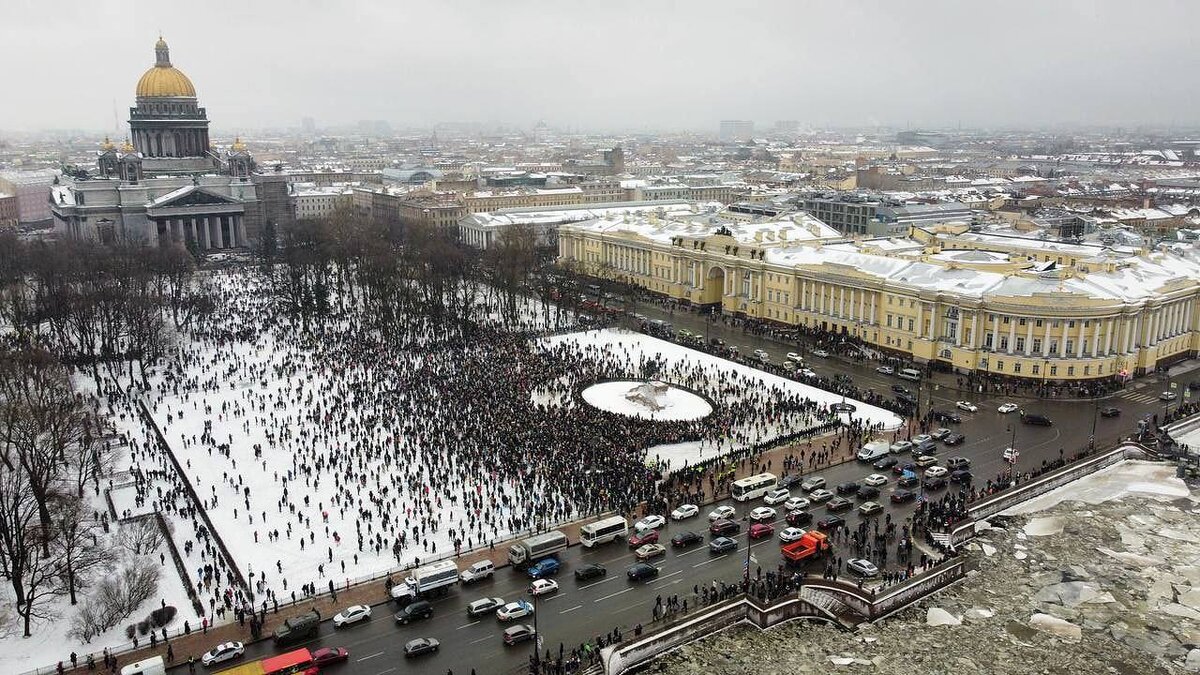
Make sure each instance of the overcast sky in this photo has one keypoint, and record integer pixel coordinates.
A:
(606, 64)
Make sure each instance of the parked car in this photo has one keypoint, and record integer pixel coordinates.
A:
(885, 463)
(954, 438)
(936, 472)
(543, 587)
(820, 496)
(925, 461)
(478, 572)
(902, 496)
(795, 504)
(966, 405)
(908, 481)
(820, 352)
(483, 606)
(722, 545)
(686, 538)
(777, 496)
(1006, 408)
(867, 493)
(421, 645)
(900, 447)
(940, 433)
(641, 538)
(685, 511)
(899, 469)
(870, 508)
(839, 504)
(798, 518)
(415, 611)
(812, 483)
(651, 522)
(830, 522)
(1110, 411)
(226, 651)
(933, 483)
(650, 551)
(947, 416)
(725, 527)
(885, 370)
(956, 463)
(848, 488)
(961, 477)
(515, 634)
(790, 534)
(351, 615)
(862, 568)
(641, 572)
(326, 656)
(900, 389)
(1168, 396)
(589, 571)
(721, 512)
(925, 447)
(515, 610)
(921, 438)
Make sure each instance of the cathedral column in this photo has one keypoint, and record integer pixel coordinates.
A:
(241, 227)
(192, 227)
(205, 239)
(220, 233)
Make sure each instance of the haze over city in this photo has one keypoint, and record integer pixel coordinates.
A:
(616, 65)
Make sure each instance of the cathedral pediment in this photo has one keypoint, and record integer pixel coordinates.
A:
(191, 196)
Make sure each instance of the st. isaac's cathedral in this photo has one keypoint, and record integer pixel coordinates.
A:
(166, 183)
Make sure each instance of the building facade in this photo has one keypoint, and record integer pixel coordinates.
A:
(29, 188)
(1004, 306)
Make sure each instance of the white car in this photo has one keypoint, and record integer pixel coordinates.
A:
(1006, 408)
(807, 372)
(776, 496)
(650, 523)
(901, 446)
(226, 651)
(721, 512)
(885, 370)
(812, 483)
(543, 587)
(478, 571)
(936, 472)
(940, 433)
(685, 511)
(1010, 455)
(791, 534)
(921, 438)
(350, 615)
(763, 513)
(820, 495)
(762, 355)
(515, 610)
(795, 504)
(875, 480)
(863, 568)
(820, 352)
(794, 357)
(966, 405)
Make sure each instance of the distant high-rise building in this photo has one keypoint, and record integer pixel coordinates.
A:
(737, 130)
(308, 126)
(787, 126)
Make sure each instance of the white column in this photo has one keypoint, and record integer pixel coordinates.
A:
(975, 341)
(1079, 341)
(1046, 338)
(873, 297)
(1108, 335)
(1028, 337)
(842, 302)
(920, 319)
(1012, 334)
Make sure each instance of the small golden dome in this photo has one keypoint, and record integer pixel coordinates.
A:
(127, 147)
(238, 145)
(107, 144)
(164, 80)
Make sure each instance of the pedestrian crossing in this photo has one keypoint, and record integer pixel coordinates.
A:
(1140, 396)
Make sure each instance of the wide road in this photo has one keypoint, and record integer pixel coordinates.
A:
(582, 610)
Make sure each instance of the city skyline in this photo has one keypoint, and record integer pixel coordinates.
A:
(616, 67)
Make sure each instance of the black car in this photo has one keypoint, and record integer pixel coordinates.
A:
(908, 481)
(867, 492)
(899, 469)
(962, 477)
(839, 504)
(641, 572)
(906, 398)
(686, 538)
(798, 518)
(886, 463)
(935, 483)
(900, 389)
(830, 522)
(902, 496)
(1036, 420)
(420, 609)
(589, 571)
(421, 646)
(947, 416)
(725, 527)
(1110, 411)
(954, 438)
(926, 447)
(791, 480)
(848, 488)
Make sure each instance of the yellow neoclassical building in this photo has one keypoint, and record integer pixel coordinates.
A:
(999, 304)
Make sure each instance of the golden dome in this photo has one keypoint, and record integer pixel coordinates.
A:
(127, 147)
(107, 145)
(238, 145)
(164, 80)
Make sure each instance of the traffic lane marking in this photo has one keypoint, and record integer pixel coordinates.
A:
(572, 609)
(370, 656)
(486, 637)
(587, 586)
(613, 595)
(468, 625)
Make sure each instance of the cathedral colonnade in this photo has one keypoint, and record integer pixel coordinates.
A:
(207, 232)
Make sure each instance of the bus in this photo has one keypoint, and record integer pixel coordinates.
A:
(603, 531)
(754, 487)
(295, 662)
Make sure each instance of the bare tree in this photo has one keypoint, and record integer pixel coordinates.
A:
(25, 560)
(77, 545)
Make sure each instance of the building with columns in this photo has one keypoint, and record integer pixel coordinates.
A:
(1000, 305)
(166, 183)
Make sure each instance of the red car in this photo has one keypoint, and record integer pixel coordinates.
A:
(327, 655)
(638, 538)
(760, 530)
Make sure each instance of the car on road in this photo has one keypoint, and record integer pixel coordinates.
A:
(966, 405)
(925, 461)
(798, 518)
(641, 572)
(961, 477)
(820, 496)
(1168, 396)
(686, 538)
(812, 483)
(790, 534)
(777, 496)
(926, 448)
(839, 504)
(640, 538)
(760, 530)
(807, 372)
(900, 389)
(940, 433)
(954, 438)
(762, 355)
(515, 610)
(484, 606)
(226, 651)
(478, 572)
(650, 551)
(956, 463)
(885, 463)
(875, 479)
(721, 512)
(909, 480)
(415, 611)
(867, 493)
(885, 370)
(794, 357)
(722, 545)
(589, 571)
(351, 615)
(1006, 408)
(516, 634)
(795, 504)
(870, 508)
(902, 496)
(329, 655)
(421, 645)
(933, 483)
(820, 352)
(544, 568)
(936, 472)
(899, 469)
(1110, 411)
(543, 587)
(790, 481)
(848, 488)
(651, 522)
(862, 568)
(921, 438)
(763, 514)
(685, 511)
(900, 447)
(725, 527)
(1036, 420)
(829, 522)
(947, 416)
(1010, 455)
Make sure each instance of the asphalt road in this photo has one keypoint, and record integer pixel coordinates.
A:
(582, 610)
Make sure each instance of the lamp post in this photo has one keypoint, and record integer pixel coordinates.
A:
(537, 637)
(1095, 414)
(1012, 445)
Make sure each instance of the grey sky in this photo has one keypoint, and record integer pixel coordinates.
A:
(612, 64)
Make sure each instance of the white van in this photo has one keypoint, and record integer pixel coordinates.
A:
(873, 451)
(151, 666)
(909, 374)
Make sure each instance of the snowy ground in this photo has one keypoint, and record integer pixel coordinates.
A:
(1144, 479)
(676, 403)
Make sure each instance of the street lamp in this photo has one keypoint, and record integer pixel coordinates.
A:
(537, 637)
(1014, 455)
